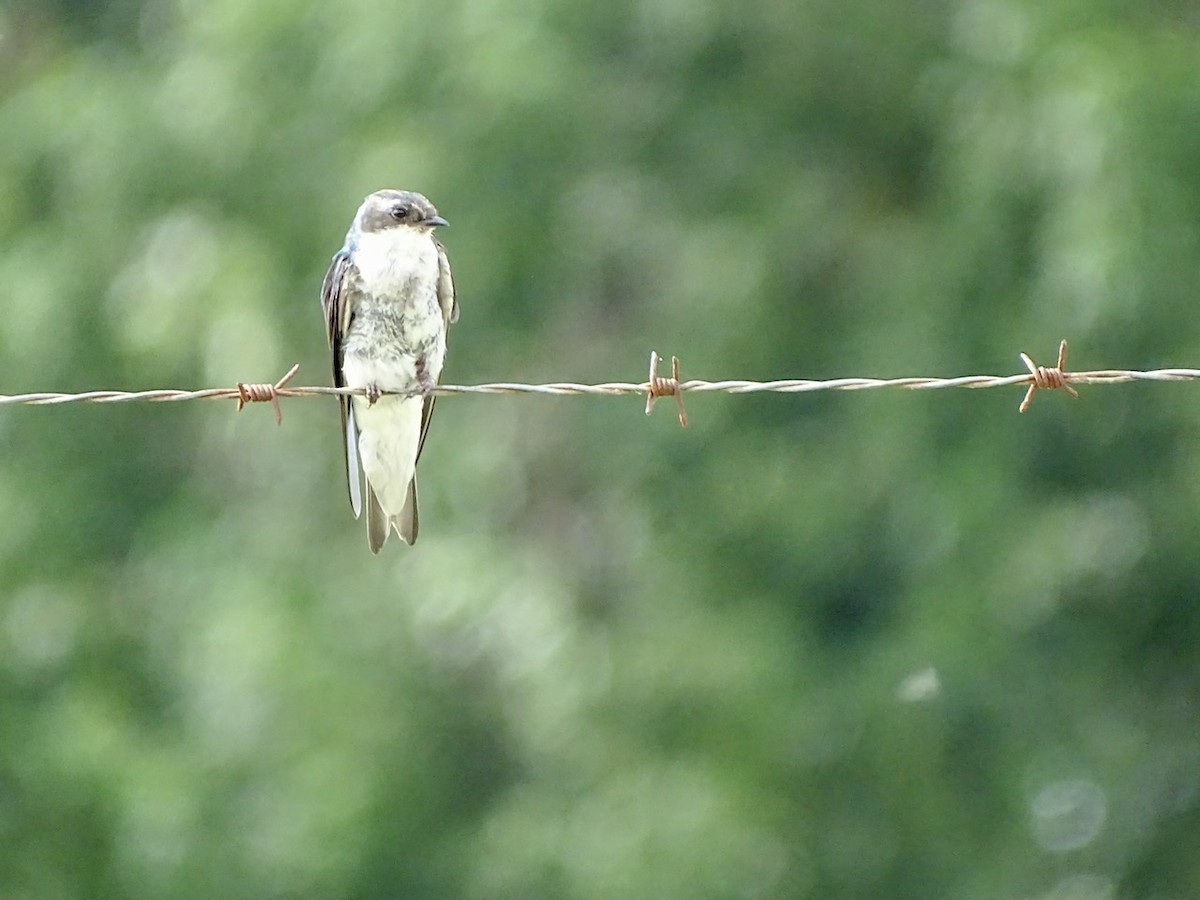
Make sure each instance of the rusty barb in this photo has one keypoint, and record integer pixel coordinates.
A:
(656, 386)
(265, 393)
(1046, 378)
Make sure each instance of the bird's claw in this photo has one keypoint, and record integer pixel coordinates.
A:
(425, 384)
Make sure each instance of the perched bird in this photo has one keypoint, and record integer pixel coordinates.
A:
(389, 300)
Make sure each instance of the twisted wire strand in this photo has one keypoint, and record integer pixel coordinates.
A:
(615, 388)
(656, 386)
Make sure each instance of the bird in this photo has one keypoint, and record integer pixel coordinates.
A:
(388, 300)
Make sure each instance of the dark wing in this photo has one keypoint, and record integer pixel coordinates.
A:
(336, 305)
(449, 304)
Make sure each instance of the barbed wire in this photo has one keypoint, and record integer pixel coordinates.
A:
(656, 386)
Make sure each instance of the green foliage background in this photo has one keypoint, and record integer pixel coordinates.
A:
(872, 645)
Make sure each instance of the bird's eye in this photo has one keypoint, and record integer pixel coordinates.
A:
(399, 213)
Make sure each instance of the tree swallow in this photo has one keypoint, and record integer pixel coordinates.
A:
(389, 301)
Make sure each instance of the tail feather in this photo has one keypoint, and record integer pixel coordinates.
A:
(406, 520)
(377, 521)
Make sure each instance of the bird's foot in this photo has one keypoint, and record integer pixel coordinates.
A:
(372, 393)
(424, 383)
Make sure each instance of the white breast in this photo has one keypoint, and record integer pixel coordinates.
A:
(397, 318)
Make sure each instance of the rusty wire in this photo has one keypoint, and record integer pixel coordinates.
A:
(1038, 377)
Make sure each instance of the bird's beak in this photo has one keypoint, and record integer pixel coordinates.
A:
(436, 220)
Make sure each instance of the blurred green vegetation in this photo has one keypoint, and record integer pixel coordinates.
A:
(868, 645)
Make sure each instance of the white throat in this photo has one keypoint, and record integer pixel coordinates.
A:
(388, 260)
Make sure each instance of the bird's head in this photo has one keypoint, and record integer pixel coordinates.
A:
(387, 209)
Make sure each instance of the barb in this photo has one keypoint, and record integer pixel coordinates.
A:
(1049, 379)
(658, 386)
(268, 393)
(655, 387)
